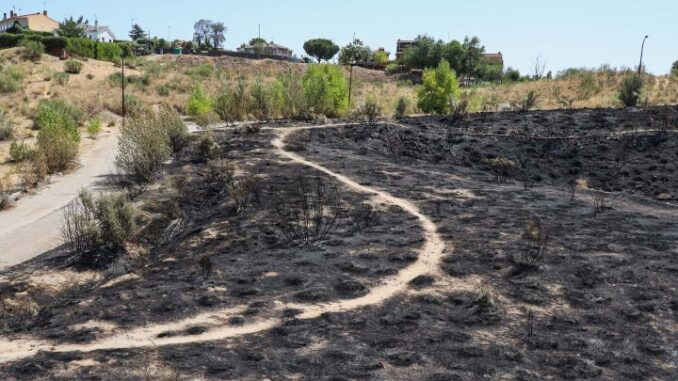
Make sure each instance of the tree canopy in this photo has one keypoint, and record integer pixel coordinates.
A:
(137, 33)
(209, 34)
(321, 49)
(72, 28)
(258, 41)
(354, 53)
(463, 57)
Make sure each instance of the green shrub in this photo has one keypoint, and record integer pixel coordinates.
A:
(290, 96)
(6, 128)
(202, 71)
(143, 147)
(326, 90)
(233, 105)
(392, 68)
(175, 128)
(58, 138)
(54, 45)
(11, 79)
(439, 89)
(61, 79)
(8, 40)
(163, 90)
(31, 50)
(199, 104)
(263, 100)
(401, 107)
(108, 51)
(81, 47)
(20, 151)
(630, 90)
(58, 111)
(94, 128)
(73, 66)
(370, 109)
(105, 223)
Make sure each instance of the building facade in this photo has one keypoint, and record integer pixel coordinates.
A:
(37, 22)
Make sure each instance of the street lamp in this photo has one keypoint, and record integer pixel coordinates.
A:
(642, 49)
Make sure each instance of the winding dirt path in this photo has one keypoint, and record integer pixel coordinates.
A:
(430, 255)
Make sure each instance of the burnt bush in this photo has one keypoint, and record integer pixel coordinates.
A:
(308, 210)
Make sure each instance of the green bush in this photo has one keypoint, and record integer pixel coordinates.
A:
(143, 147)
(263, 100)
(370, 109)
(81, 47)
(199, 104)
(11, 79)
(201, 71)
(630, 90)
(175, 128)
(20, 151)
(31, 50)
(6, 128)
(108, 51)
(8, 40)
(326, 90)
(439, 89)
(392, 68)
(73, 66)
(105, 223)
(58, 138)
(54, 45)
(58, 112)
(290, 96)
(61, 78)
(94, 128)
(233, 105)
(401, 107)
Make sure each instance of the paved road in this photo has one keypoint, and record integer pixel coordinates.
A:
(33, 225)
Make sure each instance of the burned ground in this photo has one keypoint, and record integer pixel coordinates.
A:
(600, 303)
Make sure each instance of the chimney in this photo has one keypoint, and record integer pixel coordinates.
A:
(11, 14)
(44, 12)
(96, 26)
(4, 16)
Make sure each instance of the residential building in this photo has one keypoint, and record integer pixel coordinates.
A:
(99, 33)
(37, 22)
(268, 49)
(494, 59)
(402, 45)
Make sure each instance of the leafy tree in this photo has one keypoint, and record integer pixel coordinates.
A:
(489, 72)
(217, 34)
(321, 49)
(439, 89)
(674, 69)
(137, 33)
(473, 56)
(427, 53)
(380, 57)
(354, 53)
(72, 28)
(202, 30)
(258, 44)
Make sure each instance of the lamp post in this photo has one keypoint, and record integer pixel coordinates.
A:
(642, 49)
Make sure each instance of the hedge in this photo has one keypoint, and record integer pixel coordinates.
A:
(79, 47)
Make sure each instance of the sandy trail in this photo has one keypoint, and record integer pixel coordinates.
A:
(430, 255)
(32, 226)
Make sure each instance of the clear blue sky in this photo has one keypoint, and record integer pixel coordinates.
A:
(566, 33)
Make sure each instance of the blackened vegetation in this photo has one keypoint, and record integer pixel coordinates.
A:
(536, 240)
(308, 210)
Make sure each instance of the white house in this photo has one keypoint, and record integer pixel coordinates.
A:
(99, 33)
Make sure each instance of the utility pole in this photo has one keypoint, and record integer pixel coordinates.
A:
(124, 107)
(642, 49)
